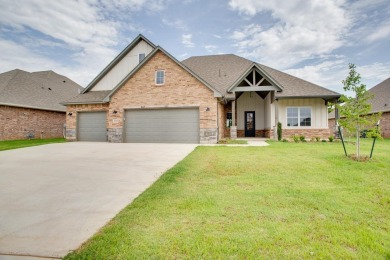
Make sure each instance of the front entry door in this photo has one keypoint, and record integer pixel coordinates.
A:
(250, 128)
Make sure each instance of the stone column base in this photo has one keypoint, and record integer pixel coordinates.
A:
(233, 132)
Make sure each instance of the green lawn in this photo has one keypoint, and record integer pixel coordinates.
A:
(8, 145)
(287, 200)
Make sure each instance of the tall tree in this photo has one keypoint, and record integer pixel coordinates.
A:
(354, 111)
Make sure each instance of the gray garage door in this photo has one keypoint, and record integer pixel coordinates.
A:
(92, 126)
(174, 125)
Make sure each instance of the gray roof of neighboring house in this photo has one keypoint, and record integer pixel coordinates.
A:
(39, 90)
(381, 100)
(222, 71)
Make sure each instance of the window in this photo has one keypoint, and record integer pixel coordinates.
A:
(298, 116)
(229, 119)
(141, 56)
(160, 77)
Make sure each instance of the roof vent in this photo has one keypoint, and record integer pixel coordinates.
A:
(64, 81)
(49, 88)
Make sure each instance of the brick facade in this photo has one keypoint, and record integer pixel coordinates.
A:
(384, 125)
(180, 89)
(17, 123)
(332, 126)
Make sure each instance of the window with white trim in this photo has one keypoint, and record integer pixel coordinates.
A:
(298, 116)
(160, 77)
(141, 56)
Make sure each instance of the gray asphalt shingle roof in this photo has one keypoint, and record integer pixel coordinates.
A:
(381, 99)
(221, 71)
(89, 97)
(41, 90)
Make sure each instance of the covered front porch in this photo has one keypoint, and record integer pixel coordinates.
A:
(251, 110)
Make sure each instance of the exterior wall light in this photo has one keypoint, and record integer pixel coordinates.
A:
(114, 112)
(70, 114)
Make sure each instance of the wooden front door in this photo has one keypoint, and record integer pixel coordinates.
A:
(250, 127)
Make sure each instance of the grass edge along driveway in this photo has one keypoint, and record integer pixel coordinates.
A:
(15, 144)
(286, 200)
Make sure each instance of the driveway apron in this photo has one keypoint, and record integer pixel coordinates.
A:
(54, 197)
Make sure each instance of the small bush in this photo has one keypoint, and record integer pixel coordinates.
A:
(295, 138)
(285, 140)
(279, 131)
(318, 138)
(323, 140)
(331, 138)
(302, 138)
(313, 139)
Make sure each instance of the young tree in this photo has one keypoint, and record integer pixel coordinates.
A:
(354, 111)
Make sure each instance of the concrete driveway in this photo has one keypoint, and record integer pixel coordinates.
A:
(54, 197)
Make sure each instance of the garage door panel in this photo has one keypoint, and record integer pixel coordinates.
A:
(92, 126)
(179, 125)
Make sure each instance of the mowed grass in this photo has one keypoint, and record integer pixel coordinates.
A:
(286, 200)
(14, 144)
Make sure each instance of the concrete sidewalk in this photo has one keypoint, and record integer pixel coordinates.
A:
(54, 197)
(252, 141)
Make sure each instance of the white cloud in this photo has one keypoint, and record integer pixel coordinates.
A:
(302, 30)
(186, 40)
(178, 24)
(184, 55)
(88, 29)
(379, 33)
(329, 74)
(15, 56)
(210, 48)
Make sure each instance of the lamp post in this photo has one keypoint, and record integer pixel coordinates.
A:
(341, 136)
(376, 134)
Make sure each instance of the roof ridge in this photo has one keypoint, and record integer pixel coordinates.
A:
(295, 77)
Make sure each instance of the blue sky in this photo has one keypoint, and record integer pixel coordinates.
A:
(311, 39)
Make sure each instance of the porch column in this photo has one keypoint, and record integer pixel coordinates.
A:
(233, 128)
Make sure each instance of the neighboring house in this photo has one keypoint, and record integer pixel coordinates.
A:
(30, 104)
(379, 103)
(146, 95)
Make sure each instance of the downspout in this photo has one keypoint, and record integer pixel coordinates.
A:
(217, 121)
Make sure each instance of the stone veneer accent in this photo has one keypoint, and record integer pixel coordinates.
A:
(180, 89)
(20, 123)
(267, 133)
(323, 133)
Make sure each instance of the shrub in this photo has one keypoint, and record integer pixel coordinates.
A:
(295, 138)
(323, 140)
(313, 139)
(318, 138)
(331, 138)
(302, 138)
(279, 131)
(285, 140)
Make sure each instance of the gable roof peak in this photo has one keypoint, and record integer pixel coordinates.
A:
(116, 60)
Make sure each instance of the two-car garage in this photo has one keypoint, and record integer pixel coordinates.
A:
(167, 125)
